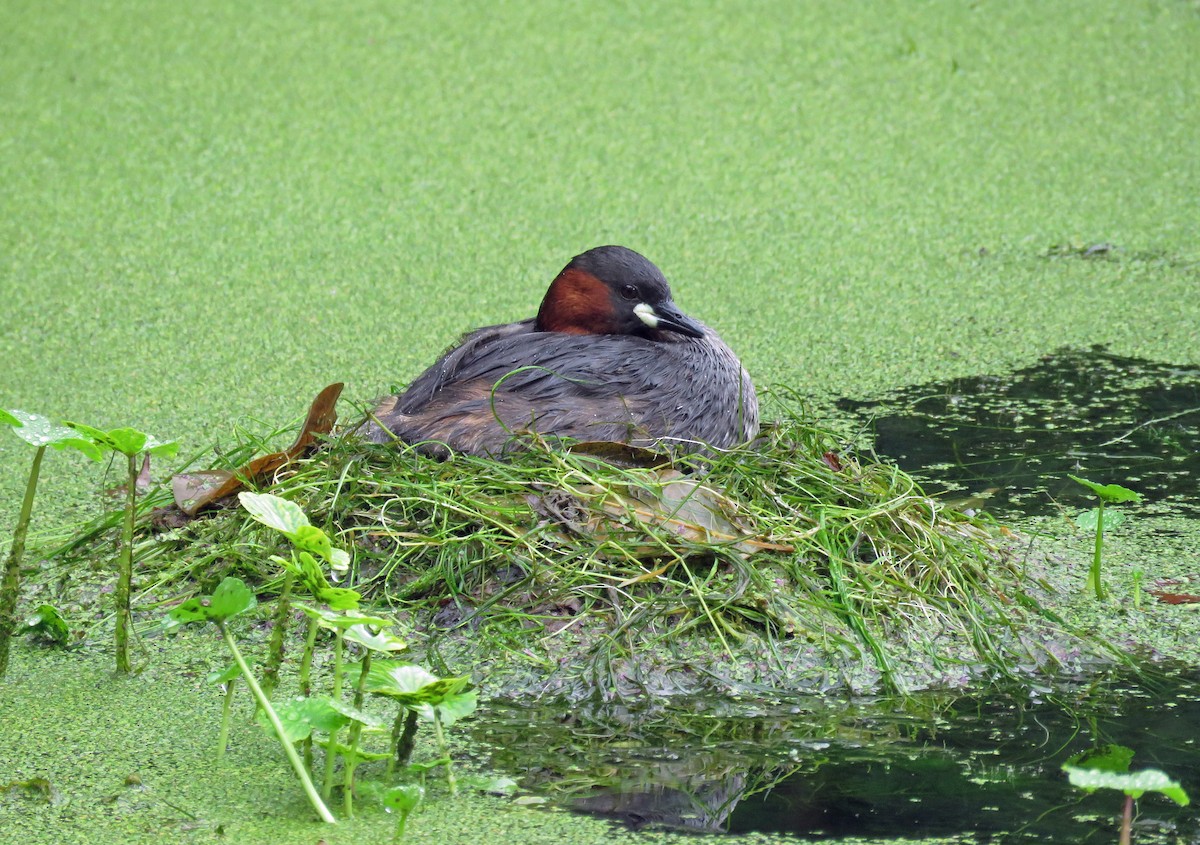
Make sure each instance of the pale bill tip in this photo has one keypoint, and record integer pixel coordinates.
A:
(646, 314)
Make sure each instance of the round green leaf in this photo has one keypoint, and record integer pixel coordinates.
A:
(159, 448)
(411, 685)
(100, 436)
(404, 798)
(79, 444)
(310, 538)
(1087, 520)
(353, 713)
(230, 598)
(37, 430)
(192, 610)
(127, 441)
(402, 681)
(1108, 758)
(301, 716)
(339, 560)
(383, 641)
(340, 618)
(1131, 783)
(1112, 493)
(339, 598)
(451, 708)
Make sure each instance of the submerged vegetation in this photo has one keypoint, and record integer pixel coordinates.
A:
(1108, 768)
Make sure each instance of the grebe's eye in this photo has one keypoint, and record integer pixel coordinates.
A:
(630, 292)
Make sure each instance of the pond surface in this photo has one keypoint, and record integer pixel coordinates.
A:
(1105, 417)
(826, 769)
(986, 768)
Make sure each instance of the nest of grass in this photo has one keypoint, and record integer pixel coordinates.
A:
(790, 565)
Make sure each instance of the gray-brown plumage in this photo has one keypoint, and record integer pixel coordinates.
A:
(609, 357)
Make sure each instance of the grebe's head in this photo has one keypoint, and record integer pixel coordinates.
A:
(612, 290)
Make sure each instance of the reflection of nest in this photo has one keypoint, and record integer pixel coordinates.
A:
(679, 767)
(701, 806)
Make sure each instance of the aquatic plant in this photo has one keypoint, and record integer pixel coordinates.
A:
(228, 679)
(231, 598)
(1108, 768)
(40, 432)
(442, 701)
(308, 543)
(132, 444)
(48, 625)
(1097, 518)
(340, 622)
(402, 800)
(327, 714)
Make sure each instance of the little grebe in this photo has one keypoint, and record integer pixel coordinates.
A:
(608, 357)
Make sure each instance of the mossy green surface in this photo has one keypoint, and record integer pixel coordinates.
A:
(210, 212)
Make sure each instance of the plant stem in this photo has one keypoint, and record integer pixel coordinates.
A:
(444, 751)
(1094, 575)
(1127, 821)
(355, 732)
(288, 748)
(12, 568)
(305, 673)
(226, 711)
(330, 754)
(283, 612)
(404, 737)
(125, 570)
(310, 641)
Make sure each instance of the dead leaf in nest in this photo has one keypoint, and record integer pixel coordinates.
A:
(194, 491)
(621, 454)
(694, 512)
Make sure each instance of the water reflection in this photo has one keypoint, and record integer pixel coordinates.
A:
(935, 765)
(1107, 417)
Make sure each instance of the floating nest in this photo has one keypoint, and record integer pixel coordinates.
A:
(791, 565)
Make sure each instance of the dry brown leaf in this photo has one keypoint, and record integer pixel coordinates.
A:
(196, 490)
(1174, 598)
(621, 454)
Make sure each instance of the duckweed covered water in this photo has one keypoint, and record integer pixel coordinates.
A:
(210, 211)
